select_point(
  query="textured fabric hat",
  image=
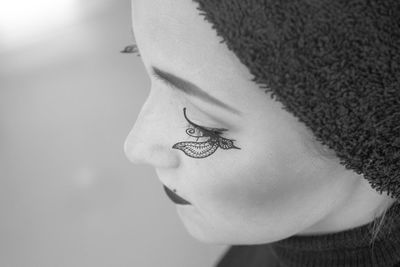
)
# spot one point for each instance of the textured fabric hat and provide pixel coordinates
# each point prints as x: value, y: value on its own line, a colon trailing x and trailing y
x: 335, y: 65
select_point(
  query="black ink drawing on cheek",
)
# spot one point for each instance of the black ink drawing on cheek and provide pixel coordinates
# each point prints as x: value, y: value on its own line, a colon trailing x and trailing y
x: 204, y: 149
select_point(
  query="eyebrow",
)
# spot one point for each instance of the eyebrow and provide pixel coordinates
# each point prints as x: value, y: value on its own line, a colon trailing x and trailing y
x: 189, y: 88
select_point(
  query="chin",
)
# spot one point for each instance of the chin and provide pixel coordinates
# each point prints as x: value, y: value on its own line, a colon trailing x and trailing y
x: 210, y: 237
x: 215, y: 236
x: 224, y: 238
x: 208, y: 232
x: 200, y: 229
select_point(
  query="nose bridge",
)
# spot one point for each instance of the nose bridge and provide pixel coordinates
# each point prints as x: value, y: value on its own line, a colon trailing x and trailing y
x: 147, y: 141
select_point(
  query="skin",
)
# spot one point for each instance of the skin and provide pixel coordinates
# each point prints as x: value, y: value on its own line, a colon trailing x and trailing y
x: 281, y: 182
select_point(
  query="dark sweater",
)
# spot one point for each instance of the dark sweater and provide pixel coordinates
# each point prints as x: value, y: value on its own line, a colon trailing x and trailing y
x: 348, y: 248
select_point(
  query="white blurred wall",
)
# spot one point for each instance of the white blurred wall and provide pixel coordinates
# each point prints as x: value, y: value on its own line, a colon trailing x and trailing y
x: 68, y: 195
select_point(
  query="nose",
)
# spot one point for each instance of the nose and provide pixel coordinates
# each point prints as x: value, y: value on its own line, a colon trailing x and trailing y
x: 149, y: 141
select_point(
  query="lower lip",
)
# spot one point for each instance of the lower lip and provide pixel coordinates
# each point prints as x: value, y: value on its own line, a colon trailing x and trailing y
x: 175, y: 198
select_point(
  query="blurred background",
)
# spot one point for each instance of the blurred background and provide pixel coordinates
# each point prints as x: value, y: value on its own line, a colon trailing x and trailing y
x: 68, y: 98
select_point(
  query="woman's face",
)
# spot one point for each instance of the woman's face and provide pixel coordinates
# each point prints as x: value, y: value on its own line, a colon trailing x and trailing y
x: 276, y: 185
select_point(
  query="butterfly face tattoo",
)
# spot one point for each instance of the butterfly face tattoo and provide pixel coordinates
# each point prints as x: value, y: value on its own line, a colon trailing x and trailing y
x: 204, y: 149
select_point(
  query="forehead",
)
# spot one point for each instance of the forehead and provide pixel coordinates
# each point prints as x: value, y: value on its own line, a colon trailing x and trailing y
x: 173, y: 35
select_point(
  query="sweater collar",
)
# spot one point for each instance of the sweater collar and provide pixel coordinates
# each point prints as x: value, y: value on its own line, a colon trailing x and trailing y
x: 350, y: 248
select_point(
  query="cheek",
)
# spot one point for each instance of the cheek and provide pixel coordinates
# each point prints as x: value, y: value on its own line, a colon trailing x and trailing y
x: 248, y: 194
x: 248, y: 177
x: 273, y: 187
x: 263, y: 188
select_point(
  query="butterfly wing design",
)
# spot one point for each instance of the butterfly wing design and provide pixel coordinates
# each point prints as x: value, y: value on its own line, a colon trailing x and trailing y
x: 226, y: 143
x: 197, y: 149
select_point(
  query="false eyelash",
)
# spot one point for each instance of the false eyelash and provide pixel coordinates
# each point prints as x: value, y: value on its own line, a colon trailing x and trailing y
x: 206, y: 131
x: 133, y: 48
x: 206, y: 148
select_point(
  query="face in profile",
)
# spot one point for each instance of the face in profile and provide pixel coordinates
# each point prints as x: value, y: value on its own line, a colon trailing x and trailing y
x: 250, y: 170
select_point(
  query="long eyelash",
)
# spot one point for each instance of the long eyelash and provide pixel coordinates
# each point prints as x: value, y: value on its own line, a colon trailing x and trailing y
x: 208, y: 131
x: 190, y: 123
x: 133, y: 48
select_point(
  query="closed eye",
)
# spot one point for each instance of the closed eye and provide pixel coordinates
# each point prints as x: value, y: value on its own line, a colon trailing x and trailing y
x: 208, y: 131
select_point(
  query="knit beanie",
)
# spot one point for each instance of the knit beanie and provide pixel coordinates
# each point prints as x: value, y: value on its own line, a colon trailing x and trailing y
x: 335, y: 65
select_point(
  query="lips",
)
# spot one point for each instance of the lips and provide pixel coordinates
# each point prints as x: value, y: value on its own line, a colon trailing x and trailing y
x: 175, y: 198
